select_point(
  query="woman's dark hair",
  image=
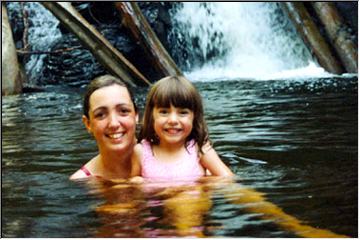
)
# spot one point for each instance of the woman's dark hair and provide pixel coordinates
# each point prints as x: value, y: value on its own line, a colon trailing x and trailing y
x: 181, y: 93
x: 100, y: 82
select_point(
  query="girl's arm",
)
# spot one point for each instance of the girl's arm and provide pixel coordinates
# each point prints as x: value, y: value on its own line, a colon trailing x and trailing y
x: 210, y: 160
x: 135, y: 161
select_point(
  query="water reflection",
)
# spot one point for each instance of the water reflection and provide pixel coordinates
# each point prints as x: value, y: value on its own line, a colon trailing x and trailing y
x: 294, y: 141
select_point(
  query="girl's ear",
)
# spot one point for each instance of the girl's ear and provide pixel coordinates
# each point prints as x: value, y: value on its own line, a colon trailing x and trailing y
x: 86, y: 122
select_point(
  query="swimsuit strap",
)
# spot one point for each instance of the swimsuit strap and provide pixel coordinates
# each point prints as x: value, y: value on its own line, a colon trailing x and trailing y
x: 86, y: 171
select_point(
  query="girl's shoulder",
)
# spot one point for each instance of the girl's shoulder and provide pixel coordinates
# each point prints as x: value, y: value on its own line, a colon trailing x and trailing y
x: 144, y: 142
x: 192, y: 144
x: 204, y: 148
x: 144, y: 145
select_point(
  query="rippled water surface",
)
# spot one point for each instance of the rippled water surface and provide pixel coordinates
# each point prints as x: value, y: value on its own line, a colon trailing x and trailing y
x: 294, y: 141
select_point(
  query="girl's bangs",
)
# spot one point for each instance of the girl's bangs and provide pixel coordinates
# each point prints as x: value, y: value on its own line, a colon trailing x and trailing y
x: 175, y: 95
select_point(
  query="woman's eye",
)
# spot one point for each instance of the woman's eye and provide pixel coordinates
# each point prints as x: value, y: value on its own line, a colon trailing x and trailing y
x: 99, y: 115
x: 125, y: 111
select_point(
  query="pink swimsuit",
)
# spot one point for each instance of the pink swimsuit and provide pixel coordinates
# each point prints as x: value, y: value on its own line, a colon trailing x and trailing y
x: 184, y: 169
x: 86, y: 171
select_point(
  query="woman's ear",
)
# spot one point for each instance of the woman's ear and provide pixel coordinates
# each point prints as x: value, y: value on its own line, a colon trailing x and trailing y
x: 137, y: 118
x: 86, y: 122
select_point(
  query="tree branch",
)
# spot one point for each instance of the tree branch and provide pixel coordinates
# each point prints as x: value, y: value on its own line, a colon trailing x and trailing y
x: 57, y: 51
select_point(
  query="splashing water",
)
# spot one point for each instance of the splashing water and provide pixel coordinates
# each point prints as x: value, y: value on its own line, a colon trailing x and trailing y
x: 239, y: 40
x: 43, y: 33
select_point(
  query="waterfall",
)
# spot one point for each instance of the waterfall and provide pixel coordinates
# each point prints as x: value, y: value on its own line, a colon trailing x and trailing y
x: 232, y: 40
x: 209, y: 41
x: 43, y: 33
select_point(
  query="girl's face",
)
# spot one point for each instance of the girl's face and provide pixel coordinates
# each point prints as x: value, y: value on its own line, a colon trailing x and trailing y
x: 172, y: 125
x: 112, y: 118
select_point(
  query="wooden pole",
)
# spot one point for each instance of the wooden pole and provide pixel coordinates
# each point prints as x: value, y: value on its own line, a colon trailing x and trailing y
x: 141, y: 31
x: 102, y: 49
x: 312, y: 37
x: 11, y: 80
x: 338, y: 34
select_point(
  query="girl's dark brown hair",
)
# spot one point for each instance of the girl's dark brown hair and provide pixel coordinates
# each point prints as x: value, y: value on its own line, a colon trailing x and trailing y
x: 181, y: 93
x: 100, y: 82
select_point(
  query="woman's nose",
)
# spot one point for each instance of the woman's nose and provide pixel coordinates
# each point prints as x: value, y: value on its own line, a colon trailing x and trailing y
x: 113, y: 121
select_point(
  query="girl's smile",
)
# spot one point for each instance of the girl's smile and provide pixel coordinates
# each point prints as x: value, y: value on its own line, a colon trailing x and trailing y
x: 173, y: 131
x: 173, y: 125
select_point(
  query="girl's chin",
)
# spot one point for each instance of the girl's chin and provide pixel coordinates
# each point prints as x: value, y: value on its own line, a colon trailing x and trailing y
x: 173, y: 141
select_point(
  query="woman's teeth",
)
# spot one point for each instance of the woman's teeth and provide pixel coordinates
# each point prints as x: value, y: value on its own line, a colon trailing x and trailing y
x: 116, y: 135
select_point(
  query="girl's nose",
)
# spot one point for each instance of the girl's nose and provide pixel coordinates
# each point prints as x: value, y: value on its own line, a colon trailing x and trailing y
x: 173, y: 118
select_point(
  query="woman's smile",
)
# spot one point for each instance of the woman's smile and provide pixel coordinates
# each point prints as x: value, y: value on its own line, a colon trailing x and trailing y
x: 112, y: 117
x: 115, y: 135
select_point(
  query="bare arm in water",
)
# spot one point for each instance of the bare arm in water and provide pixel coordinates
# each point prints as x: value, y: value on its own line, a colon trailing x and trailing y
x: 254, y: 201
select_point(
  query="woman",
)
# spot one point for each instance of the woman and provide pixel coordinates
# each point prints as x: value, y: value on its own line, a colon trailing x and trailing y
x: 110, y: 115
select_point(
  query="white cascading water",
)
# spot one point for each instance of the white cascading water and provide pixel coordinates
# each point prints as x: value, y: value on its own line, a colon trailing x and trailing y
x: 254, y: 39
x: 43, y: 32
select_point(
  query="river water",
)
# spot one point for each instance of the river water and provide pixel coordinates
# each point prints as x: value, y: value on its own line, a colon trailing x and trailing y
x: 293, y: 140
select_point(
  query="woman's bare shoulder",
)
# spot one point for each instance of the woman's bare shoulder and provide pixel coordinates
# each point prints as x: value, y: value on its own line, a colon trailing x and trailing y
x: 89, y: 169
x: 138, y: 147
x: 78, y: 175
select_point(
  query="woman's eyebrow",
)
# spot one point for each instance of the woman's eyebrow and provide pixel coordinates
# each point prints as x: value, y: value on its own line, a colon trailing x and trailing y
x: 99, y: 108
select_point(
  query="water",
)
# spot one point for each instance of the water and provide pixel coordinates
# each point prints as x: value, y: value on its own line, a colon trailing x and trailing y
x: 229, y: 39
x: 293, y: 140
x: 209, y: 41
x: 287, y: 128
x: 38, y: 39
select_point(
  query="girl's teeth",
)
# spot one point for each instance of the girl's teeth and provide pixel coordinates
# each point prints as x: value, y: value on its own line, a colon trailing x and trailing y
x: 173, y: 130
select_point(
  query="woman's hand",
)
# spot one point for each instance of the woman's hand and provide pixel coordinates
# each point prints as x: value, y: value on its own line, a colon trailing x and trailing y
x: 137, y: 180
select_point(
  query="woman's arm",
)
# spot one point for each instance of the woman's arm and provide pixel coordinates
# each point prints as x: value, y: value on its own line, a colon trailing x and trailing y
x: 211, y: 161
x: 255, y: 201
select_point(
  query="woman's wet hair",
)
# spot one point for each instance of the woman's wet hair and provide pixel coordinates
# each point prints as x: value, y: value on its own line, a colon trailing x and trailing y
x: 181, y: 93
x: 100, y: 82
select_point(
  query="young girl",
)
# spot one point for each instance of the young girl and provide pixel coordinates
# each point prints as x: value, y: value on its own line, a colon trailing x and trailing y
x: 174, y: 135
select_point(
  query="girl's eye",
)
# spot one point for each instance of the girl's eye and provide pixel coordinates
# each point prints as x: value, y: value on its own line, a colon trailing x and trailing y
x: 163, y: 111
x: 184, y: 112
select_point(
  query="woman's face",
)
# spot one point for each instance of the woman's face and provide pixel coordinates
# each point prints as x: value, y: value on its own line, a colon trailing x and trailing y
x: 112, y: 118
